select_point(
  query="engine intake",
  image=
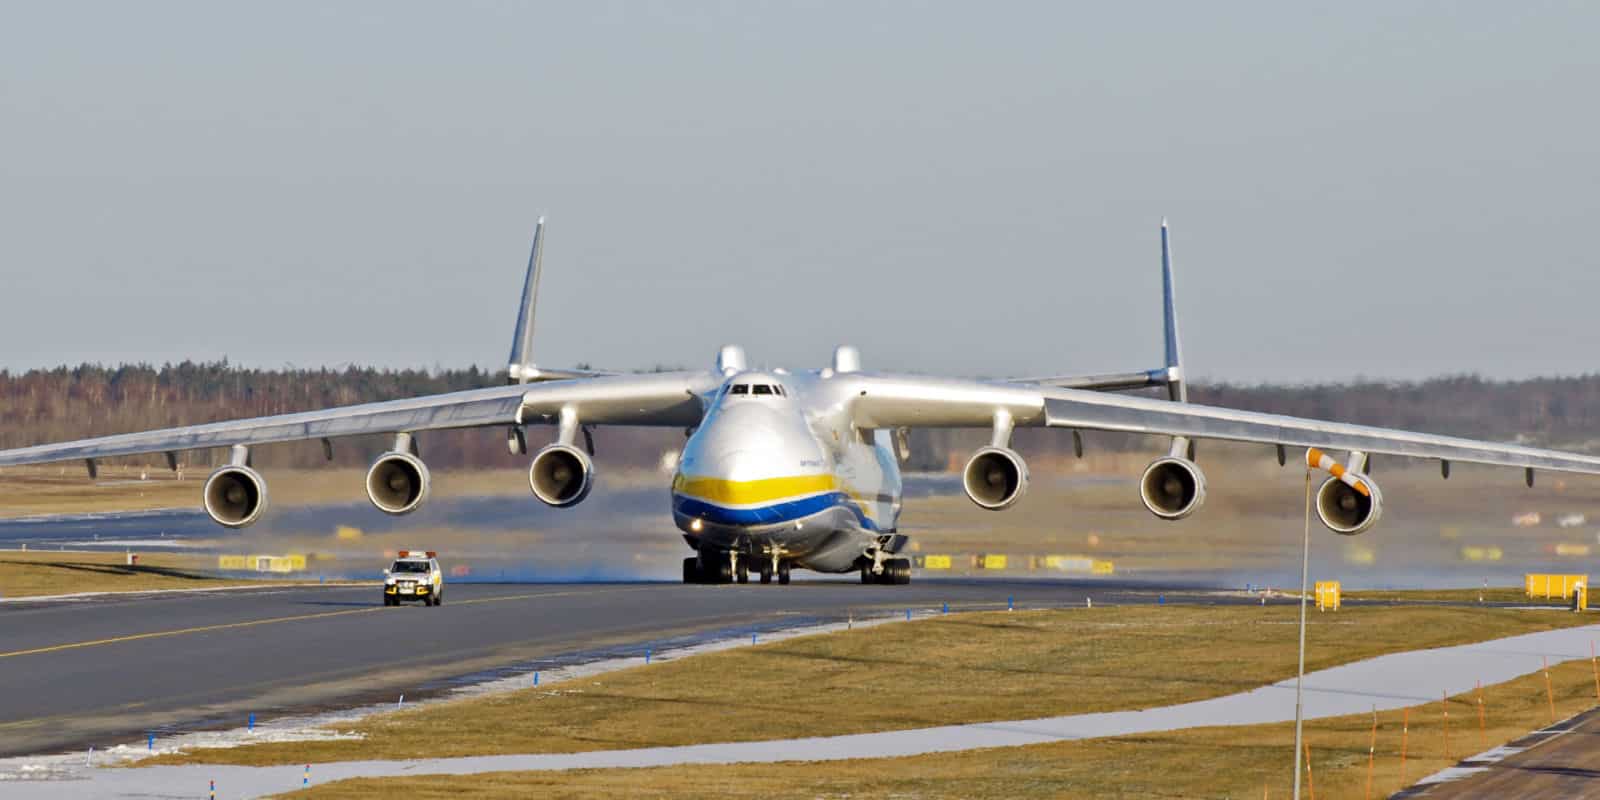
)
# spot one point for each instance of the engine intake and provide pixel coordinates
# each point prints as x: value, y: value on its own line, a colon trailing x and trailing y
x: 398, y: 483
x: 235, y: 496
x: 1172, y: 487
x: 561, y: 475
x: 1347, y: 511
x: 995, y: 478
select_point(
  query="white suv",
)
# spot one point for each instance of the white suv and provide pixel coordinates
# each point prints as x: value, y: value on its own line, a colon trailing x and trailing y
x: 414, y: 576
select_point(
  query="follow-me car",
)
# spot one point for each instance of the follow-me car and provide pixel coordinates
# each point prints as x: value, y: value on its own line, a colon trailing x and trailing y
x: 799, y: 469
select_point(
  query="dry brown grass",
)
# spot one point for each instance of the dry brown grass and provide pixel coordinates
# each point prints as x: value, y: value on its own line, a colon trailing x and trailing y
x: 1239, y: 762
x: 30, y: 574
x: 944, y: 670
x: 1493, y: 594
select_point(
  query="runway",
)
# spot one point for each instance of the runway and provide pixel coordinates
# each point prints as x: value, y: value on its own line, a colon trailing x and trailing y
x: 106, y: 670
x: 1557, y: 763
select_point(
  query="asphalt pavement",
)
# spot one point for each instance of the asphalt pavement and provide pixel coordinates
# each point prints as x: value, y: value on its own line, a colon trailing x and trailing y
x: 105, y: 670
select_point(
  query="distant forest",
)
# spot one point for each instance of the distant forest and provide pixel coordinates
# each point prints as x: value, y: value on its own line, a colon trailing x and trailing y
x: 53, y: 405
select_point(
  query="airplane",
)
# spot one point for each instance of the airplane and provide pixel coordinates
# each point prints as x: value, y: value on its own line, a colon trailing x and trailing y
x: 800, y: 469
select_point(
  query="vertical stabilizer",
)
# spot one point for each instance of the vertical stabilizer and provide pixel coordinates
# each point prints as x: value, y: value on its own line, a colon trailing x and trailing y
x: 1176, y: 390
x: 520, y: 366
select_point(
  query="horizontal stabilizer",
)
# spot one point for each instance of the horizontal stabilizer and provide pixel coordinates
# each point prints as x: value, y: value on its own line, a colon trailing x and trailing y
x: 1118, y: 382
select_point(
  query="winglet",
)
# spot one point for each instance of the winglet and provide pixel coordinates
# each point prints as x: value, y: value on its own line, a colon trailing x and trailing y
x: 1176, y: 389
x: 520, y: 368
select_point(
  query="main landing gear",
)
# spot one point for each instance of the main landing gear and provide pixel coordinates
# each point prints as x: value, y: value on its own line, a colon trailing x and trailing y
x: 729, y: 567
x: 896, y: 571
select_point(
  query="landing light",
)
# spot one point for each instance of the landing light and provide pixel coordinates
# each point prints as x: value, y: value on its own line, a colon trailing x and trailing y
x: 695, y: 526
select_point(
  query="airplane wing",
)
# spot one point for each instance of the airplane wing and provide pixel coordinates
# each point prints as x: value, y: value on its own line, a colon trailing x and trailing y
x: 883, y: 401
x: 668, y: 399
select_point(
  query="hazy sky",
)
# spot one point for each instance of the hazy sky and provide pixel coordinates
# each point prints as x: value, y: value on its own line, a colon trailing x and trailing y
x: 1385, y: 189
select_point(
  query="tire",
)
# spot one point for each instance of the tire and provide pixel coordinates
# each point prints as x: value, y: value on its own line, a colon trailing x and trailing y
x: 742, y: 574
x: 691, y: 570
x: 438, y: 599
x: 899, y: 571
x: 766, y: 572
x: 867, y: 576
x: 389, y: 600
x: 714, y: 567
x: 783, y: 573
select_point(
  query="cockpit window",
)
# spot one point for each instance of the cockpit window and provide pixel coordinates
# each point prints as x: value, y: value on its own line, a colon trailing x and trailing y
x: 761, y: 388
x: 743, y: 388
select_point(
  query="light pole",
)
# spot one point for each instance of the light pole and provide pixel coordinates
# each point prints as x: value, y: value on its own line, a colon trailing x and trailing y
x: 1300, y: 672
x: 1315, y: 459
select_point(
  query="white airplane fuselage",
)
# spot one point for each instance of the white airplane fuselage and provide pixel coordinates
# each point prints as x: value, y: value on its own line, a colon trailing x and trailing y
x: 777, y: 470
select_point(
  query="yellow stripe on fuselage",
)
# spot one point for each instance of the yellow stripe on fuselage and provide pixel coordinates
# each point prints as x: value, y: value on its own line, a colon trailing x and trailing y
x: 750, y: 493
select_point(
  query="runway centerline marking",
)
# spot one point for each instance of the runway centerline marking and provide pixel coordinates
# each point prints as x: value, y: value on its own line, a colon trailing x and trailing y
x: 270, y: 621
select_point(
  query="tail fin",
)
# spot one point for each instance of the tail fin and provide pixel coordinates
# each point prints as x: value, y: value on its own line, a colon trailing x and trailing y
x: 520, y: 367
x: 1176, y: 390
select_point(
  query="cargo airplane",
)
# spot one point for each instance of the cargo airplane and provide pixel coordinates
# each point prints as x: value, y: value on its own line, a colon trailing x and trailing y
x: 786, y: 469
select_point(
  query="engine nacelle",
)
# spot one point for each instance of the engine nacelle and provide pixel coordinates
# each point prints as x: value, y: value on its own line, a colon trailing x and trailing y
x: 561, y: 475
x: 995, y: 478
x: 1347, y: 511
x: 398, y: 483
x: 235, y: 496
x: 1172, y: 487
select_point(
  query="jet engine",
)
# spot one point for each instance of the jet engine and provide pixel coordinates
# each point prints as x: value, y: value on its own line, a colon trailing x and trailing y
x: 1347, y: 511
x: 995, y: 478
x: 235, y: 496
x: 1172, y: 487
x: 561, y: 475
x: 397, y: 483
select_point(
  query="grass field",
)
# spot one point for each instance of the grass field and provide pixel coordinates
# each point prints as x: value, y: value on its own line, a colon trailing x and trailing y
x: 1237, y: 762
x: 962, y: 668
x: 30, y: 574
x: 1492, y: 594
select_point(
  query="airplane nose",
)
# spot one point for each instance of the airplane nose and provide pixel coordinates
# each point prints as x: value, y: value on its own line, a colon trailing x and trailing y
x: 742, y: 465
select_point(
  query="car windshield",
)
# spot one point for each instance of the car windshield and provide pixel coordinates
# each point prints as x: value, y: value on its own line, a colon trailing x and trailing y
x: 409, y: 566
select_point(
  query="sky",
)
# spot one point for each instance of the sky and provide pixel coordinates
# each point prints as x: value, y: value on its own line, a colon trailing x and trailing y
x: 1386, y: 189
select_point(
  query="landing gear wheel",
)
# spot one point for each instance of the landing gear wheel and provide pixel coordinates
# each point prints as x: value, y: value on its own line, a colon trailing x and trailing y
x: 742, y: 572
x: 898, y: 571
x: 783, y: 573
x: 715, y: 567
x: 691, y: 570
x: 766, y: 573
